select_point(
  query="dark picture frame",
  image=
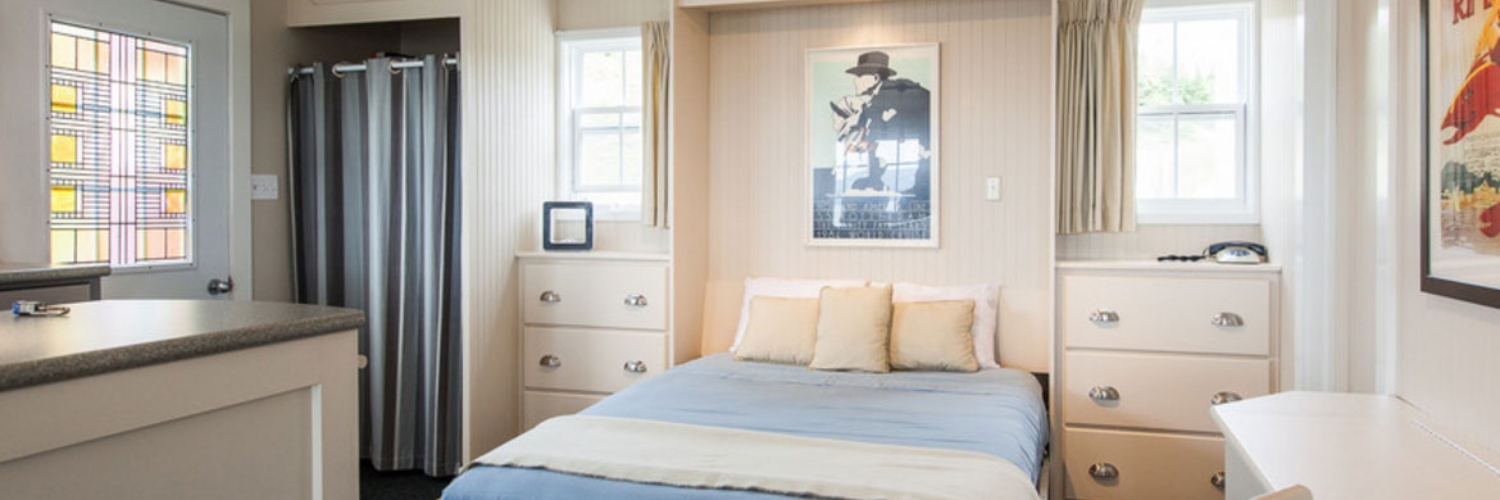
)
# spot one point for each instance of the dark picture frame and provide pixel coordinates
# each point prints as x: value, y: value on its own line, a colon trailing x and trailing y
x: 1434, y: 282
x: 549, y: 210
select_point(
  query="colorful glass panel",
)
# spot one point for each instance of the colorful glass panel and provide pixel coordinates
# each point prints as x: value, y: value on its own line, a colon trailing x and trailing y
x: 120, y: 148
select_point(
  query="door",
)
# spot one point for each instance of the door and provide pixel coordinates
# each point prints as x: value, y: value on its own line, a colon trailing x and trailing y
x: 116, y: 131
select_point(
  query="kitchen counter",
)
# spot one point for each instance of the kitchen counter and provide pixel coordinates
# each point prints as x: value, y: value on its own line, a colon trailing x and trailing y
x: 181, y: 399
x: 29, y: 275
x: 106, y: 336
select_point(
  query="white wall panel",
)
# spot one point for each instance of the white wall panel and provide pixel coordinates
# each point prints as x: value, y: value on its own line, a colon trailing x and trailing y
x: 1446, y: 349
x: 508, y: 87
x: 997, y: 64
x: 1151, y: 241
x: 598, y: 14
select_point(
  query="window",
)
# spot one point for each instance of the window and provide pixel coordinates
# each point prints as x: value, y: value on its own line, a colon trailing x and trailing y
x: 1194, y: 158
x: 600, y: 152
x: 119, y: 164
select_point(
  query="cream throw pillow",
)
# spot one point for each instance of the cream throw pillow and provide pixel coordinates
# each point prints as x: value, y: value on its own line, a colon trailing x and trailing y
x: 854, y: 330
x: 933, y: 336
x: 780, y: 330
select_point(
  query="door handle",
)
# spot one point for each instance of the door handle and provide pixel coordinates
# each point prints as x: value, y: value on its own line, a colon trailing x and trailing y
x: 1104, y: 393
x: 550, y: 297
x: 635, y: 300
x: 217, y: 286
x: 635, y: 366
x: 550, y: 361
x: 1104, y: 470
x: 1224, y: 398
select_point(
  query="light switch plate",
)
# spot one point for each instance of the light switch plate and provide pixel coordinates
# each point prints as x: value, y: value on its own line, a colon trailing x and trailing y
x: 992, y: 189
x: 264, y: 187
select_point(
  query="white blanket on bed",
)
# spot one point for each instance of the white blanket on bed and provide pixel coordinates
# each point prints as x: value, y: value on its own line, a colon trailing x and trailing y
x: 646, y: 451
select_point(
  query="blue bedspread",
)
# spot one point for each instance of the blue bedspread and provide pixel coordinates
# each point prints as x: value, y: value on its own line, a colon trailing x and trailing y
x: 997, y: 412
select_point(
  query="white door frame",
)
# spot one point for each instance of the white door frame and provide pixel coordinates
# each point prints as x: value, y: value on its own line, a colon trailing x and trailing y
x: 241, y: 260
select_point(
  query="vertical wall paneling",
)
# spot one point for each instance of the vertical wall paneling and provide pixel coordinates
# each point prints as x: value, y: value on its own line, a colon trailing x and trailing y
x: 508, y: 80
x: 689, y: 184
x: 996, y: 122
x: 1151, y: 241
x: 1445, y: 348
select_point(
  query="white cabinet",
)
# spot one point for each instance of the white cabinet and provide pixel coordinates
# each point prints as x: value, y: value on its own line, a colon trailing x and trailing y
x: 1144, y: 353
x: 592, y: 324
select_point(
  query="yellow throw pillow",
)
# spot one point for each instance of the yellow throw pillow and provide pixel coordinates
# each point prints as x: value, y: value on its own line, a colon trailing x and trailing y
x: 781, y: 330
x: 933, y: 336
x: 854, y: 330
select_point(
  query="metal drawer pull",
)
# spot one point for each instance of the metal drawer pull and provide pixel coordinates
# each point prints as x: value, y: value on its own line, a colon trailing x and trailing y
x: 551, y: 297
x: 1225, y: 397
x: 551, y: 361
x: 1104, y: 393
x: 635, y: 366
x: 1104, y: 317
x: 1228, y: 319
x: 1104, y: 470
x: 1217, y: 480
x: 635, y: 300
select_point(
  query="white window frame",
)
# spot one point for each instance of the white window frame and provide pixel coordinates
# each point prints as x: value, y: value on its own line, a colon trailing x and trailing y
x: 569, y: 45
x: 1245, y: 207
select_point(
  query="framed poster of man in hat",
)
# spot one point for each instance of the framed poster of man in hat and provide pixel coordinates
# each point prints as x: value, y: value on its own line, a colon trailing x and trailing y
x: 872, y: 146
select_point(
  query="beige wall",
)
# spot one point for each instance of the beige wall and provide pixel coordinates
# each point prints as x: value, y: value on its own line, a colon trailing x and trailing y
x: 508, y: 80
x: 275, y: 48
x: 1446, y: 350
x: 997, y: 60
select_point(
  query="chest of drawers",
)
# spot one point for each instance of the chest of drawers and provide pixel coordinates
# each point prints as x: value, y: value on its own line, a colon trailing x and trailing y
x: 591, y: 325
x: 1144, y: 351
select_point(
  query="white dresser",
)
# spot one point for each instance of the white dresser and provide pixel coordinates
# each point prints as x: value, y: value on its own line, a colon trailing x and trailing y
x: 592, y: 324
x: 1144, y: 351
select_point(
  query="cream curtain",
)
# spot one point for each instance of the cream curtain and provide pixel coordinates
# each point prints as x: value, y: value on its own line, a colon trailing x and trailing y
x: 656, y: 57
x: 1096, y: 110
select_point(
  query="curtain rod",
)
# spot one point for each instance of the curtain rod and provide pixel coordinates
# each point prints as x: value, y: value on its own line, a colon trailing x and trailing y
x: 348, y: 67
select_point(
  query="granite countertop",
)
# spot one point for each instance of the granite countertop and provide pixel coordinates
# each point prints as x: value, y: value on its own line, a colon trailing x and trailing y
x: 17, y: 274
x: 112, y: 335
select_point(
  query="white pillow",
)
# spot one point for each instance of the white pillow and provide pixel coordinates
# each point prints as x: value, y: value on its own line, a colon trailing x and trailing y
x: 986, y: 311
x: 776, y: 287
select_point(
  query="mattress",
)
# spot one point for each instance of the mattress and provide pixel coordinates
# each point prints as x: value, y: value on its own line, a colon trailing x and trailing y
x: 997, y: 412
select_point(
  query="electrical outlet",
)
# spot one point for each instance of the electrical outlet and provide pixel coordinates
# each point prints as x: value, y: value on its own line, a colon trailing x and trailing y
x: 992, y: 189
x: 264, y: 187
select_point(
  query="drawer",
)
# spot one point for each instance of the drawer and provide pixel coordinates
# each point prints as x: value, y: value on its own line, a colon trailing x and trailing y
x: 1148, y: 466
x: 590, y: 360
x: 1167, y: 314
x: 1169, y: 392
x: 540, y: 406
x: 588, y: 294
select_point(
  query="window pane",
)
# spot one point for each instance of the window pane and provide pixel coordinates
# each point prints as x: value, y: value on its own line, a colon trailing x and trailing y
x: 1155, y: 168
x: 1154, y: 79
x: 599, y: 159
x: 119, y: 149
x: 602, y: 77
x: 633, y: 82
x: 1208, y: 61
x: 634, y: 159
x: 599, y: 120
x: 1207, y: 151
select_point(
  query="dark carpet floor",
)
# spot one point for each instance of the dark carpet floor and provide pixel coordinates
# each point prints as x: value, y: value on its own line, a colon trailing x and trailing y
x: 402, y: 485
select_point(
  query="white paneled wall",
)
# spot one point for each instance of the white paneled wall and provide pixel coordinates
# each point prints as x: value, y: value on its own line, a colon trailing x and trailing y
x: 597, y: 14
x: 1445, y: 349
x: 997, y: 67
x: 508, y: 86
x: 1150, y: 242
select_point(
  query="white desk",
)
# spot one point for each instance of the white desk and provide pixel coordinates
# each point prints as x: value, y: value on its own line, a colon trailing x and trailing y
x: 1346, y: 447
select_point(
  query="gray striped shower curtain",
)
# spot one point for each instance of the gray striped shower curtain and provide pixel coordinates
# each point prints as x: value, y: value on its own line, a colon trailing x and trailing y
x: 374, y: 180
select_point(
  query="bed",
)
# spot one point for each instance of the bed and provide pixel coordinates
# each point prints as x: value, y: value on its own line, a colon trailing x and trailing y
x: 998, y: 412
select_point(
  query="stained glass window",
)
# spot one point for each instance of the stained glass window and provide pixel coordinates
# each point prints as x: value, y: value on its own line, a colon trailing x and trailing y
x: 120, y: 165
